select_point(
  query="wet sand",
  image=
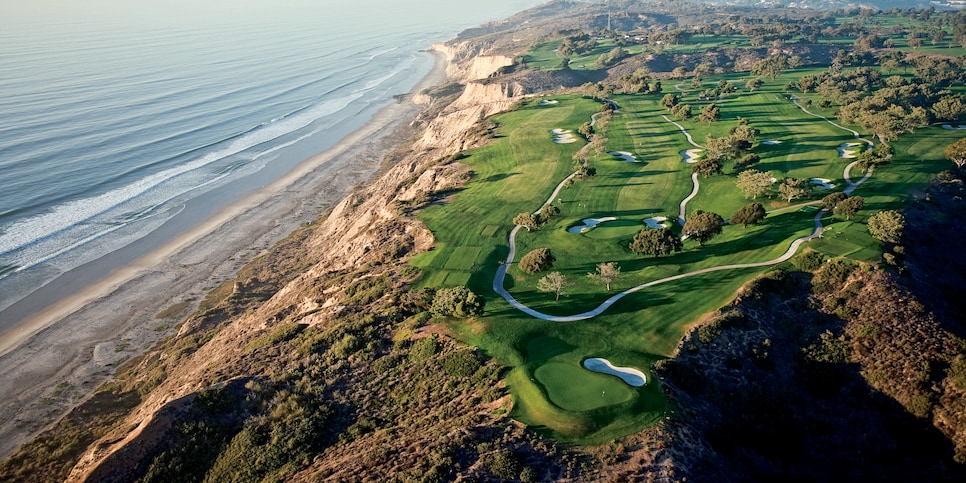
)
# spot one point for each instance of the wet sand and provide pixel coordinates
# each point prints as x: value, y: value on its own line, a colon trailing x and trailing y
x: 53, y: 359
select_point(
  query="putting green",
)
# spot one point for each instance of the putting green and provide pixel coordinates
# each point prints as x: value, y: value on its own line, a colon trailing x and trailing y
x: 576, y: 389
x: 615, y: 229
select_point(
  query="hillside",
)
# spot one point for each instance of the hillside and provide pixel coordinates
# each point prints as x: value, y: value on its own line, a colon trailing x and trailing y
x: 348, y: 353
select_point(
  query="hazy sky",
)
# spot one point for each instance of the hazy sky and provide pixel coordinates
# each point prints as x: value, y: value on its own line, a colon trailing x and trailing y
x: 139, y: 12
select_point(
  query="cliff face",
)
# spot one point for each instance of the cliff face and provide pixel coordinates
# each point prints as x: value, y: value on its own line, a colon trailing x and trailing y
x: 362, y: 232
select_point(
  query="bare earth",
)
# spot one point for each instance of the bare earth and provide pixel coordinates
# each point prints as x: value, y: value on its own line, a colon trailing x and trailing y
x: 53, y: 361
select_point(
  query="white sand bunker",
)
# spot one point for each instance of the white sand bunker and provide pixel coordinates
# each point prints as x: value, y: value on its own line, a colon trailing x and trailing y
x: 631, y: 376
x: 548, y: 102
x: 771, y: 142
x: 950, y: 126
x: 589, y: 224
x: 691, y: 155
x: 846, y: 151
x: 822, y: 183
x: 656, y: 222
x: 563, y: 136
x: 624, y: 156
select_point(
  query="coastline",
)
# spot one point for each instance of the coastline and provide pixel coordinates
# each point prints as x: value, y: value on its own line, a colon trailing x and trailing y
x: 75, y: 343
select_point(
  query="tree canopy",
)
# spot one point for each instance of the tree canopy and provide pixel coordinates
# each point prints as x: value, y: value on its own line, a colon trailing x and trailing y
x: 956, y: 152
x: 537, y: 261
x: 794, y: 188
x: 555, y: 283
x: 655, y: 241
x: 887, y: 226
x: 848, y: 207
x: 749, y: 215
x: 754, y: 183
x: 703, y: 226
x: 606, y: 274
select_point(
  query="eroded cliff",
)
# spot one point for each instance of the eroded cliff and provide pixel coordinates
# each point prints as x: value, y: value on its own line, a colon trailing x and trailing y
x: 365, y: 237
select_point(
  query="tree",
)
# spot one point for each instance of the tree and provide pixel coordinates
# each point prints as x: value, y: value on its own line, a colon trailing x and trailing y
x: 887, y: 226
x: 793, y: 188
x: 457, y: 302
x: 606, y: 274
x: 754, y: 84
x: 537, y: 261
x: 749, y: 215
x: 949, y: 108
x: 707, y: 167
x: 743, y: 135
x: 771, y: 67
x: 669, y: 101
x: 526, y: 220
x: 848, y: 207
x: 655, y: 241
x: 703, y: 226
x: 754, y: 183
x: 723, y: 148
x: 555, y: 283
x: 832, y: 199
x: 682, y: 111
x: 956, y: 152
x: 547, y: 213
x: 710, y: 113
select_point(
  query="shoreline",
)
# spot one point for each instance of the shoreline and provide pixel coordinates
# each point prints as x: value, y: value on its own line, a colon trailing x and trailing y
x: 75, y: 343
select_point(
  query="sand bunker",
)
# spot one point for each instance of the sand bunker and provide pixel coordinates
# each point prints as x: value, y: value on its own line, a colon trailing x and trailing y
x: 771, y: 142
x: 548, y: 102
x: 845, y: 150
x: 656, y: 222
x: 691, y: 155
x: 624, y: 156
x: 950, y: 126
x: 631, y: 376
x: 822, y: 183
x: 589, y: 224
x: 562, y: 136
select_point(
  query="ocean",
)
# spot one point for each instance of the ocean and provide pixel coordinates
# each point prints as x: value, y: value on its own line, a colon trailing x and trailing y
x: 117, y: 114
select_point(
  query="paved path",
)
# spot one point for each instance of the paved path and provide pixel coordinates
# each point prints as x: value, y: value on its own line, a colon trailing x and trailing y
x: 792, y: 249
x: 694, y: 176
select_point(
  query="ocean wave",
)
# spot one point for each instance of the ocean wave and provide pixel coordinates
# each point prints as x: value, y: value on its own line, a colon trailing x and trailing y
x: 63, y: 217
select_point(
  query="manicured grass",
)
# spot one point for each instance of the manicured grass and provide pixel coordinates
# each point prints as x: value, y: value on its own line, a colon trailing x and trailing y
x: 518, y: 171
x: 546, y: 57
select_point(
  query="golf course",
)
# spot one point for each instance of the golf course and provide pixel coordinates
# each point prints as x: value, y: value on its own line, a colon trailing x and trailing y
x: 642, y: 181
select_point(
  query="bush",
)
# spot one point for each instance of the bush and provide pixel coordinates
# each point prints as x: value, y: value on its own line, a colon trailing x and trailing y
x: 707, y: 333
x: 457, y: 302
x: 367, y: 290
x: 537, y: 261
x: 503, y: 464
x: 463, y: 363
x: 808, y: 261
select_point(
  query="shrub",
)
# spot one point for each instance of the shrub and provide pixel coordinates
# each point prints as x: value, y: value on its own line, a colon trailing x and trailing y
x: 503, y: 464
x: 537, y: 261
x: 457, y: 302
x: 808, y: 261
x: 367, y: 290
x: 463, y: 363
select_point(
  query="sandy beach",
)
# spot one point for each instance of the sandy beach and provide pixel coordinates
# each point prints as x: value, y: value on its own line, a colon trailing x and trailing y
x: 53, y: 360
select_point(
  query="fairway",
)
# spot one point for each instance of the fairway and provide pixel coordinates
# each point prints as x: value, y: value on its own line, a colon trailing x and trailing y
x: 600, y: 215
